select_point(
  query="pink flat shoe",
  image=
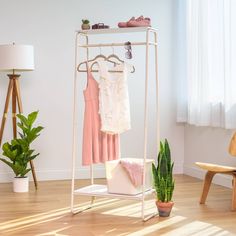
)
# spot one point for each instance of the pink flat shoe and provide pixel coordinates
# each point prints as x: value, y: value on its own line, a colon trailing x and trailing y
x: 124, y: 24
x: 139, y: 22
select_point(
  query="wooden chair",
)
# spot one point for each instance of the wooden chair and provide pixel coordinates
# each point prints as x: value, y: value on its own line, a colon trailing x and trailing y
x: 213, y: 169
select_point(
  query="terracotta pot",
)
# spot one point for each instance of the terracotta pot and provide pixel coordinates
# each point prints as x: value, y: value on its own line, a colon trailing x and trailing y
x: 85, y: 26
x: 164, y: 208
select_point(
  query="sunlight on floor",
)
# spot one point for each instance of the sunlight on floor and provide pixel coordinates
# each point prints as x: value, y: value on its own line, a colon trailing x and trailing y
x: 132, y: 210
x: 197, y: 228
x: 174, y: 225
x: 55, y: 232
x: 48, y: 216
x: 157, y: 226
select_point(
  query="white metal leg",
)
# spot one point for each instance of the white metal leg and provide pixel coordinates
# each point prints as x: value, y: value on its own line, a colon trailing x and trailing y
x: 74, y: 128
x: 145, y: 123
x: 75, y: 107
x: 157, y: 94
x: 146, y: 117
x: 91, y: 166
x: 157, y: 110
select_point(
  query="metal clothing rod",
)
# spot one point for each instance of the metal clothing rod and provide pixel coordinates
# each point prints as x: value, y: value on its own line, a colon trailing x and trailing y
x: 96, y: 71
x: 114, y: 44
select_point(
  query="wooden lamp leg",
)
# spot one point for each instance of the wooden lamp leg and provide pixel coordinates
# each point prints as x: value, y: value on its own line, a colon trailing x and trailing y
x: 234, y: 193
x: 4, y: 117
x: 14, y: 109
x: 207, y: 183
x: 19, y: 102
x: 18, y: 96
x: 34, y: 174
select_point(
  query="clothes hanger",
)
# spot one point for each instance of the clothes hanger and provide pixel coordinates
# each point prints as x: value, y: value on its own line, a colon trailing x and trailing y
x: 113, y: 55
x: 94, y: 60
x: 88, y: 61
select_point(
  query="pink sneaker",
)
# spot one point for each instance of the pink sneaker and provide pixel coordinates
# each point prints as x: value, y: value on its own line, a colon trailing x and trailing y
x: 124, y: 24
x: 139, y: 22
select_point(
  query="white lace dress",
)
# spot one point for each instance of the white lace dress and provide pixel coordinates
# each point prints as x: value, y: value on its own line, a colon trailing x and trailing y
x: 114, y: 105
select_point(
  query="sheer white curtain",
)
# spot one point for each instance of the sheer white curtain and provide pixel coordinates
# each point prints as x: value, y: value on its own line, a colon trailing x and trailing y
x: 207, y: 91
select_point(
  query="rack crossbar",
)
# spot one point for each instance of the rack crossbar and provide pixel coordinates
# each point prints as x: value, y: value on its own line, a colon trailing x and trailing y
x: 114, y: 44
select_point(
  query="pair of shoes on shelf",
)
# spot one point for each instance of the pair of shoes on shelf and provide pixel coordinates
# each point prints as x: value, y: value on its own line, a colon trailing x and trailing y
x: 138, y: 22
x: 100, y: 26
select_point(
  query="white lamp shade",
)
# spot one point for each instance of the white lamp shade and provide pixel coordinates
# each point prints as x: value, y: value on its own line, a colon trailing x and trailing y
x: 16, y: 57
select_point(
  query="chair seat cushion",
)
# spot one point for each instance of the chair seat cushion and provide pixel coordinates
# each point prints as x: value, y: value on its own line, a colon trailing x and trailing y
x: 215, y: 168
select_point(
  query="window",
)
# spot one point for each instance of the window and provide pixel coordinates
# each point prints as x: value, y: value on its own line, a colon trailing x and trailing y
x: 208, y: 88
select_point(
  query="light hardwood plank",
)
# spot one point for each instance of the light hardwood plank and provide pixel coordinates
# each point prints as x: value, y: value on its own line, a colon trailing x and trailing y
x: 46, y: 212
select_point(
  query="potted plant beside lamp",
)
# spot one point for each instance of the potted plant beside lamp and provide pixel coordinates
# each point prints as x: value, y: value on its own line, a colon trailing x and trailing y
x: 18, y: 153
x: 163, y: 180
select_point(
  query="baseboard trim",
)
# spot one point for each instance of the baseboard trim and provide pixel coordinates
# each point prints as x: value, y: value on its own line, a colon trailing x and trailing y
x: 219, y: 179
x: 44, y: 175
x: 178, y: 168
x: 81, y: 173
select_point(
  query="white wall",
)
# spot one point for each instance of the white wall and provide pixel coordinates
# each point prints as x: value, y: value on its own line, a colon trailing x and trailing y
x: 50, y: 26
x: 207, y: 145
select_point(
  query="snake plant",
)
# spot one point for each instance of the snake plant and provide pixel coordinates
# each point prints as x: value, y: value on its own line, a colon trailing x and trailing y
x: 163, y: 174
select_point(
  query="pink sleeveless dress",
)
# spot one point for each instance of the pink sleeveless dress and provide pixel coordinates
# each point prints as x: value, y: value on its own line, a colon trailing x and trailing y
x: 98, y: 146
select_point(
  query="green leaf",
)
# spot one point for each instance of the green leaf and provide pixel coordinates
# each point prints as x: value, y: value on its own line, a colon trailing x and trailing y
x: 7, y: 162
x: 155, y: 176
x: 24, y: 172
x: 21, y: 135
x: 30, y: 158
x: 22, y: 127
x: 33, y: 134
x: 23, y: 119
x: 9, y: 151
x: 168, y: 155
x: 30, y: 152
x: 32, y: 117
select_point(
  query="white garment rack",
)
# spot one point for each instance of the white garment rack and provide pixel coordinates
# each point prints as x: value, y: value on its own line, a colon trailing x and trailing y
x: 95, y: 190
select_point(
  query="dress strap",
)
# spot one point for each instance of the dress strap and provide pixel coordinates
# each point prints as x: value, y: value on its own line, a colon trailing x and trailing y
x: 88, y: 68
x: 103, y: 70
x: 89, y: 74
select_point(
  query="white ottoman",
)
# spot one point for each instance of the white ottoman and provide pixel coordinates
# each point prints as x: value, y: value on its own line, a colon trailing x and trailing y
x: 118, y: 180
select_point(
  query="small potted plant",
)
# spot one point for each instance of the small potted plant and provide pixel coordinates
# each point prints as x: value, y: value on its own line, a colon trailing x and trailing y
x: 163, y: 180
x: 85, y: 24
x: 19, y: 153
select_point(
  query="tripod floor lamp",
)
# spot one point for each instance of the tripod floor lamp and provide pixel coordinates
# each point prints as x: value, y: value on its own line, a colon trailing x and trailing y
x: 15, y: 58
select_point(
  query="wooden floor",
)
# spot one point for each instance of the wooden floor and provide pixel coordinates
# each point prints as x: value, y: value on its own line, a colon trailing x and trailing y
x: 46, y: 212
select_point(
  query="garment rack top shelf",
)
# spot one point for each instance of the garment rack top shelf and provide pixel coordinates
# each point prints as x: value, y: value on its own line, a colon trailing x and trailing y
x: 116, y: 30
